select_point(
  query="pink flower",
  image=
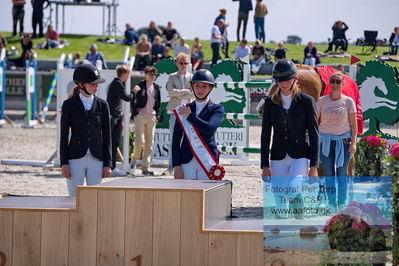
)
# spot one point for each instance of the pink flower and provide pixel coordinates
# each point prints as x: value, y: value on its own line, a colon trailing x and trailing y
x: 375, y: 141
x: 359, y: 225
x: 394, y: 151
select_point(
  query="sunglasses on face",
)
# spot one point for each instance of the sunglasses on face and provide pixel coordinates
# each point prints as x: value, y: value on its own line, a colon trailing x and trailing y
x: 336, y: 81
x: 183, y: 63
x: 151, y: 74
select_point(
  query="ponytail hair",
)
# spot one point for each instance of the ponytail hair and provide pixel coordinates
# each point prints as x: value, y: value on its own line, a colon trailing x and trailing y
x: 75, y: 92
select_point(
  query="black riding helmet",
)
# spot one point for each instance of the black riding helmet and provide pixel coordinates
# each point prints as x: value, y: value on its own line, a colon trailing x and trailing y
x: 205, y: 76
x: 87, y: 73
x: 284, y: 70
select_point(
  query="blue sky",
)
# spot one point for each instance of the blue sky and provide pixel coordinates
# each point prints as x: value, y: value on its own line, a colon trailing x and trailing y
x: 309, y: 19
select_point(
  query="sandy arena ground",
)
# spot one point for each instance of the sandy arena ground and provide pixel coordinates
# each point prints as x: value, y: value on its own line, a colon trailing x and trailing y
x: 40, y: 143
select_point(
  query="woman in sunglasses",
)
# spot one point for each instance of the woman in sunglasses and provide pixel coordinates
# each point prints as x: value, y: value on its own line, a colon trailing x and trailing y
x: 145, y: 112
x: 180, y: 92
x: 338, y: 129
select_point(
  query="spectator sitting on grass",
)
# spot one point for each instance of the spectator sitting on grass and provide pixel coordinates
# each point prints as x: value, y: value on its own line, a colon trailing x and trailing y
x: 170, y: 35
x: 311, y: 56
x: 394, y: 41
x: 153, y: 30
x: 93, y: 56
x: 242, y: 52
x: 166, y: 54
x: 27, y: 52
x: 52, y: 38
x: 131, y: 36
x: 143, y: 53
x: 259, y: 57
x: 76, y: 60
x: 157, y: 49
x: 280, y: 52
x: 182, y: 47
x: 197, y: 55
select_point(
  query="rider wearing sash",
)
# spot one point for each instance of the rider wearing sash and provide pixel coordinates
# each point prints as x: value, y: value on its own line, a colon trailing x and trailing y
x: 194, y: 149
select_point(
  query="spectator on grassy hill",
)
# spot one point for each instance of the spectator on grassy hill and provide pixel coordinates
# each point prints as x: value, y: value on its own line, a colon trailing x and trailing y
x: 216, y: 39
x: 259, y: 20
x: 244, y: 7
x: 93, y: 56
x: 131, y: 36
x: 157, y: 50
x: 339, y: 38
x: 258, y: 53
x: 52, y: 38
x: 37, y: 16
x: 242, y: 52
x: 143, y: 53
x: 394, y: 41
x: 280, y: 52
x: 223, y: 32
x: 73, y: 61
x: 182, y: 47
x: 170, y: 35
x: 153, y: 30
x: 18, y: 14
x: 166, y: 52
x: 27, y: 52
x: 311, y: 56
x: 197, y: 55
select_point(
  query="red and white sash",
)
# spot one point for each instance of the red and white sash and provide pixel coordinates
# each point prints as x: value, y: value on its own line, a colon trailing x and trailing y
x: 200, y: 149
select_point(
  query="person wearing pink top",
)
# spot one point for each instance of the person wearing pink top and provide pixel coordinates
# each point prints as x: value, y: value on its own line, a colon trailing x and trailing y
x: 52, y: 38
x: 338, y: 130
x: 145, y: 112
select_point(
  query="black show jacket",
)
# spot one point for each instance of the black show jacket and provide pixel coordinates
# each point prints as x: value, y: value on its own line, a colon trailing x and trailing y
x: 290, y: 130
x: 89, y: 130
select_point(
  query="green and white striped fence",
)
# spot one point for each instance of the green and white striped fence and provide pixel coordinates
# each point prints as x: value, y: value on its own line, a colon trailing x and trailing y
x: 238, y: 149
x: 243, y: 85
x: 239, y: 116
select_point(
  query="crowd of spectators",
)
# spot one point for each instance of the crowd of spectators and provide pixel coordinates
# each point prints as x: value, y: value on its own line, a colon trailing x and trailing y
x: 154, y: 42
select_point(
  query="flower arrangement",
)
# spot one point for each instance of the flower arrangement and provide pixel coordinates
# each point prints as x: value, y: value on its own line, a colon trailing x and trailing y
x: 358, y: 227
x: 392, y: 170
x: 370, y: 154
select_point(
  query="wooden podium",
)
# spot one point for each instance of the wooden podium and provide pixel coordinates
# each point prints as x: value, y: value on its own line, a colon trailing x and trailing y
x: 137, y: 222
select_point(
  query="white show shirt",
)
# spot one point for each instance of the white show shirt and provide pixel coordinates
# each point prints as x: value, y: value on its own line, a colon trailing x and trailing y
x: 87, y: 101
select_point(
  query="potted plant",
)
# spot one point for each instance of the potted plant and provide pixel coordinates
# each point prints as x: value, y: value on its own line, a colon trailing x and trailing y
x: 358, y: 227
x: 370, y: 154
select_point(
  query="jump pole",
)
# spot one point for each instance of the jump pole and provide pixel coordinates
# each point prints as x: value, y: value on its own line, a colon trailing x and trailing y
x: 31, y: 88
x: 2, y: 90
x: 49, y: 96
x: 126, y: 123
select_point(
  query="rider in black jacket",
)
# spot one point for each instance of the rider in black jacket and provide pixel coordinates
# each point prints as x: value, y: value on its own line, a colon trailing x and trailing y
x: 292, y: 115
x: 88, y: 152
